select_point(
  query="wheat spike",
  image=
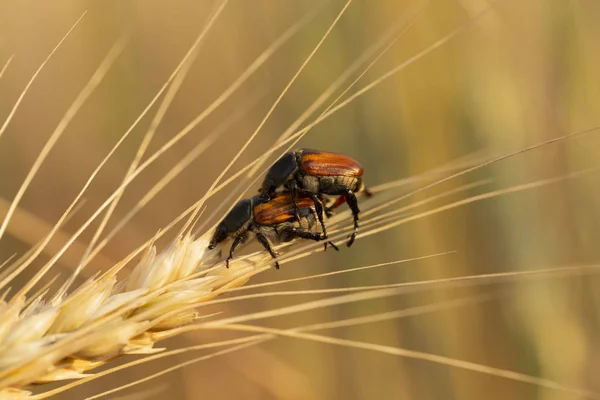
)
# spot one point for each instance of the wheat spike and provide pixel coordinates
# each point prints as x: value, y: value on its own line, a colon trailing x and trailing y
x: 124, y: 312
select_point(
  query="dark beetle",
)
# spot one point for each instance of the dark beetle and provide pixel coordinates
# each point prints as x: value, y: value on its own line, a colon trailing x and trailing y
x: 316, y: 172
x: 270, y: 221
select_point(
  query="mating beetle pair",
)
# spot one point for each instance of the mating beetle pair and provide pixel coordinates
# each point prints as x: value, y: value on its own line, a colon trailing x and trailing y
x: 305, y: 176
x: 279, y: 220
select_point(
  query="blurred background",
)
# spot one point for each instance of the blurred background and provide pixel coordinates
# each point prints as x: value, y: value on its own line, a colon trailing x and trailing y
x: 522, y: 73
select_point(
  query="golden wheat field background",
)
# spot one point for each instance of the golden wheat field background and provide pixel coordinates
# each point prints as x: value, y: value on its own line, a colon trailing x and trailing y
x: 458, y: 82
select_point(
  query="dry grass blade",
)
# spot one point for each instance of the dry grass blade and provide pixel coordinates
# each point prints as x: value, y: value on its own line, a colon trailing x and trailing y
x: 182, y: 365
x: 257, y: 339
x: 149, y: 358
x: 32, y: 80
x: 175, y: 85
x: 60, y: 129
x: 405, y: 22
x: 151, y: 393
x: 5, y: 66
x: 379, y: 291
x: 514, y: 189
x: 331, y: 110
x: 417, y: 355
x: 34, y: 231
x: 196, y: 152
x: 332, y: 273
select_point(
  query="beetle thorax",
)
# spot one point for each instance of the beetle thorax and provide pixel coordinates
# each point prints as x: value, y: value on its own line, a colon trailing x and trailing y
x: 239, y: 218
x: 280, y: 173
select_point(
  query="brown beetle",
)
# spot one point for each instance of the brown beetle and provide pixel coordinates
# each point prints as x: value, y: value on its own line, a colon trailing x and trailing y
x: 313, y: 173
x: 274, y: 221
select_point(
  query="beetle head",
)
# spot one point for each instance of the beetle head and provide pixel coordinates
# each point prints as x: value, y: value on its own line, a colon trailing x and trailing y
x: 239, y: 215
x: 267, y: 190
x: 219, y: 235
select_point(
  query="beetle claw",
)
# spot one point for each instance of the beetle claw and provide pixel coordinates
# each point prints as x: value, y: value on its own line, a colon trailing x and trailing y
x: 352, y: 237
x: 329, y: 243
x: 276, y: 265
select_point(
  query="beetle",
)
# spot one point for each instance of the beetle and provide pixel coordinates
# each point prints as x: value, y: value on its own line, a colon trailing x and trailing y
x: 314, y: 173
x: 279, y: 219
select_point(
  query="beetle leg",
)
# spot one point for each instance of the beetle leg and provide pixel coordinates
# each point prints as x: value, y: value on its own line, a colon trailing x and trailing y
x: 319, y: 210
x: 353, y: 204
x: 267, y: 245
x: 290, y: 233
x: 304, y: 234
x: 294, y: 190
x: 330, y: 243
x: 236, y: 242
